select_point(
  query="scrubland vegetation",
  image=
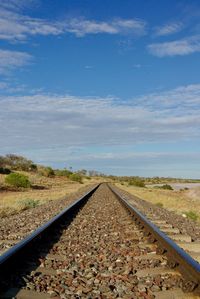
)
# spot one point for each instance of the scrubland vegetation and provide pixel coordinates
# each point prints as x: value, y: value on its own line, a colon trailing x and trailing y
x: 24, y: 185
x: 185, y: 202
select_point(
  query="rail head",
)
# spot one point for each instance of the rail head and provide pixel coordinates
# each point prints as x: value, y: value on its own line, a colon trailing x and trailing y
x: 14, y: 250
x: 189, y: 268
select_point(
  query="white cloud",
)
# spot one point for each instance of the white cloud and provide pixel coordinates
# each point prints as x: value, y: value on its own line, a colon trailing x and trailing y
x: 178, y: 47
x: 10, y: 60
x: 74, y: 121
x: 119, y: 26
x: 16, y: 4
x: 15, y: 26
x: 182, y: 100
x: 168, y: 29
x: 90, y: 131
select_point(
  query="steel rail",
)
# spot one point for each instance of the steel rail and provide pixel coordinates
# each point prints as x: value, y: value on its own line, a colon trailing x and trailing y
x: 15, y: 255
x: 189, y: 268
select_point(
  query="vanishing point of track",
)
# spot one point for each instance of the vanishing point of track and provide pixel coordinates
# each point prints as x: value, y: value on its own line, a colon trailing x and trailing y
x: 99, y: 247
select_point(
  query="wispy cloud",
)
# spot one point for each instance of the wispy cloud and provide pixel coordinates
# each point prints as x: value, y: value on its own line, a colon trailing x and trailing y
x: 137, y: 66
x: 88, y: 67
x: 178, y: 47
x: 16, y: 4
x: 181, y: 102
x: 15, y: 26
x: 10, y: 60
x: 168, y: 29
x: 118, y: 26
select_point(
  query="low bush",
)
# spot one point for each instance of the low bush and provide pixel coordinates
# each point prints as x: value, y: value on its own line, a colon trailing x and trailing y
x: 76, y: 177
x: 63, y: 172
x: 166, y: 187
x: 5, y: 170
x: 192, y: 215
x: 159, y: 204
x: 28, y: 204
x: 18, y: 180
x: 184, y: 189
x: 137, y: 182
x: 47, y: 172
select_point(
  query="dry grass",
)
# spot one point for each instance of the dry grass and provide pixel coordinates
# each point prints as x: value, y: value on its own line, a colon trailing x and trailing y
x: 48, y: 189
x: 177, y: 201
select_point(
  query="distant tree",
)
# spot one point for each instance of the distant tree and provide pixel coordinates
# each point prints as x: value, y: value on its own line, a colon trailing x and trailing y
x: 16, y: 162
x: 2, y: 161
x: 33, y: 167
x: 93, y: 173
x: 82, y: 172
x: 3, y: 169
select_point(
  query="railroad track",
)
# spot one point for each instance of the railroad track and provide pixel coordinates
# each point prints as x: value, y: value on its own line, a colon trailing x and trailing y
x: 17, y: 227
x: 94, y: 249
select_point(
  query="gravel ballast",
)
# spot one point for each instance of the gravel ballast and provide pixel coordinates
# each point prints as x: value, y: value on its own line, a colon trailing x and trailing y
x: 98, y: 256
x: 185, y: 225
x: 16, y: 227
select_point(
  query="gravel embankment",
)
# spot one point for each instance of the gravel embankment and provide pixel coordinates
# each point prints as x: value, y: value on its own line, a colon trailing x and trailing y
x: 185, y: 225
x: 18, y: 226
x: 100, y: 249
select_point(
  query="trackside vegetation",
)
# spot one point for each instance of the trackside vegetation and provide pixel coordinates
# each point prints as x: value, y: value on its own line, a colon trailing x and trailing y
x: 18, y: 180
x: 76, y: 177
x: 137, y: 182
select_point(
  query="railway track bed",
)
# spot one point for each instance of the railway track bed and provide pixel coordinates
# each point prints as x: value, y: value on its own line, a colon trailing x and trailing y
x: 95, y: 251
x: 18, y: 226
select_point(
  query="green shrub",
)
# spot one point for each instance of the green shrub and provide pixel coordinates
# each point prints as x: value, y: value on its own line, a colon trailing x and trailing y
x: 47, y: 172
x: 184, y: 189
x: 76, y: 177
x: 166, y: 187
x: 5, y: 170
x: 28, y: 204
x: 192, y: 215
x: 18, y: 180
x: 33, y: 167
x: 63, y: 172
x: 137, y: 182
x: 159, y: 204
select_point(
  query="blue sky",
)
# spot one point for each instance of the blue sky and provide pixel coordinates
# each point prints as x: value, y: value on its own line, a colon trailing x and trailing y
x: 106, y: 85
